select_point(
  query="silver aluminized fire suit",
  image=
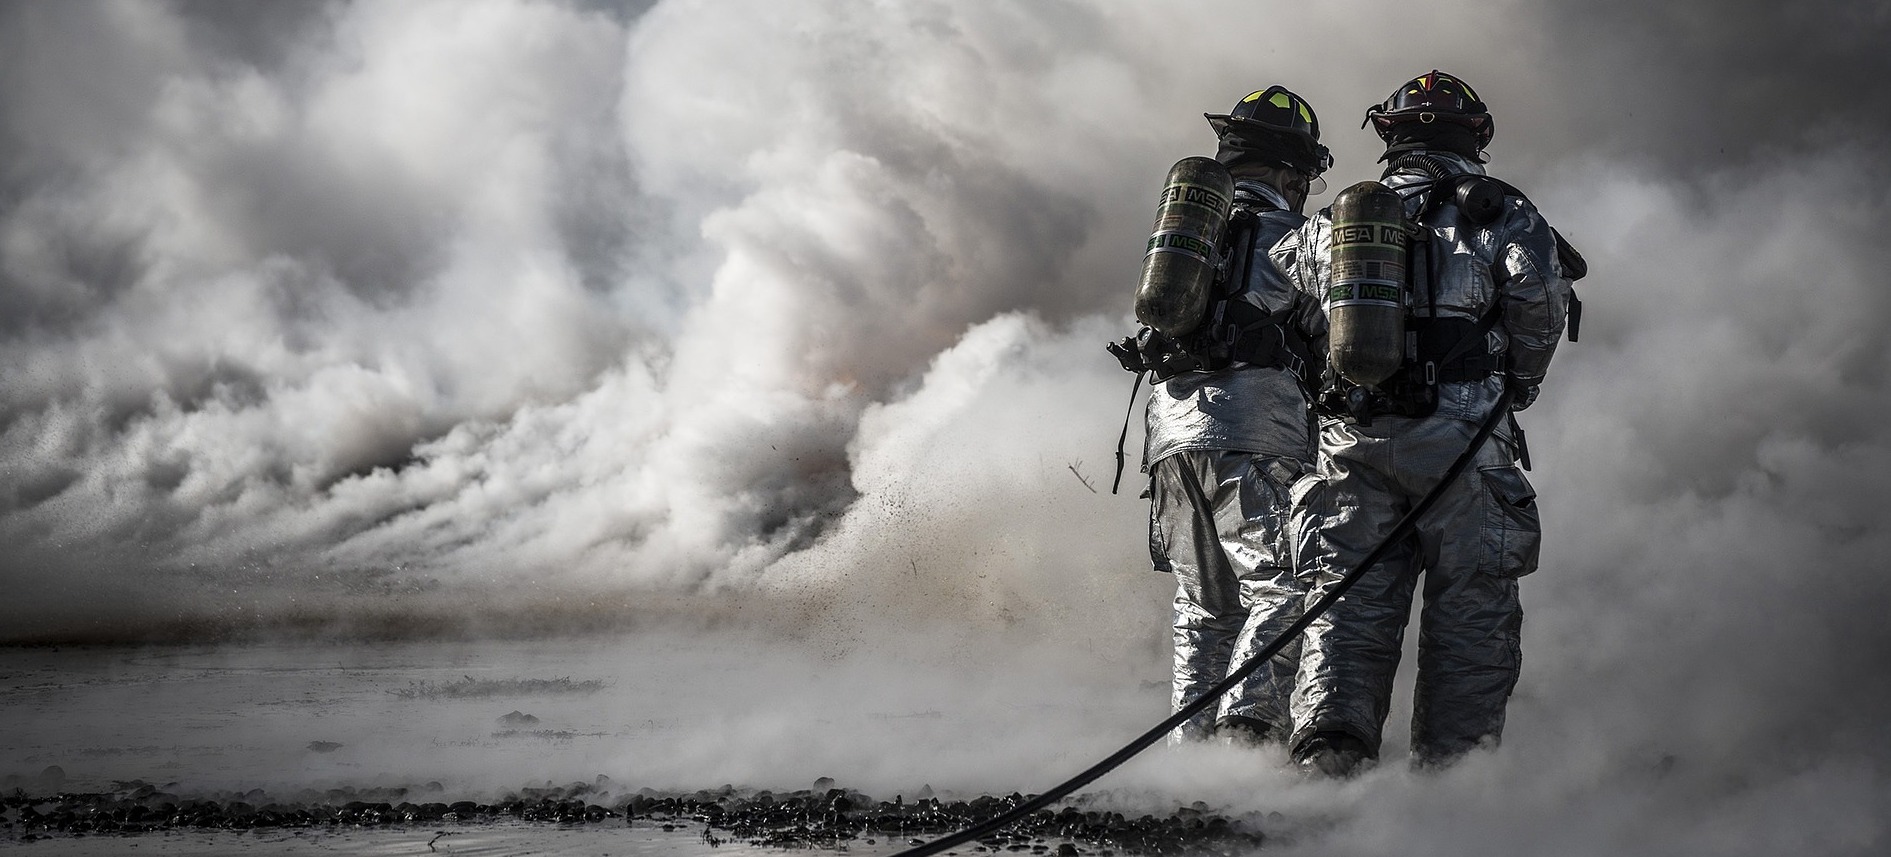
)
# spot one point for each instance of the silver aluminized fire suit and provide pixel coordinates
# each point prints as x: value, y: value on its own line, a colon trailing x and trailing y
x: 1222, y: 449
x: 1481, y: 536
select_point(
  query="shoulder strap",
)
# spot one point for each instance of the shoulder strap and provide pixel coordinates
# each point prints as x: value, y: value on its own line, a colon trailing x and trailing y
x: 1232, y: 276
x: 1123, y: 438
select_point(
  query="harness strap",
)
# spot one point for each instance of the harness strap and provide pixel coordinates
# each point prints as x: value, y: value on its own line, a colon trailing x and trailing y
x: 1123, y: 438
x: 1523, y: 446
x: 1267, y: 339
x: 1459, y: 357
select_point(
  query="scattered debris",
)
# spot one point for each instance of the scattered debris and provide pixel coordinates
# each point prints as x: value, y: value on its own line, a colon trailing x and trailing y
x: 1080, y: 477
x: 833, y: 818
x: 828, y: 817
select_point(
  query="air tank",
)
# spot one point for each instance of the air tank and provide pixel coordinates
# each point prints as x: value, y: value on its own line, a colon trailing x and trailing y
x: 1365, y: 305
x: 1178, y: 270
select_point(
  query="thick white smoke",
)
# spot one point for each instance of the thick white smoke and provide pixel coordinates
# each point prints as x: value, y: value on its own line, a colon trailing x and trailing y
x: 549, y: 314
x: 380, y: 345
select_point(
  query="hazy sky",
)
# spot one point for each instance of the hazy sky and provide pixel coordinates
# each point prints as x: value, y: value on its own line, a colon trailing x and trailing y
x: 374, y: 311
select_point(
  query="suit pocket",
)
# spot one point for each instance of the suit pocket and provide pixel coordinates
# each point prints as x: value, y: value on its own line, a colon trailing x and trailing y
x: 1513, y: 531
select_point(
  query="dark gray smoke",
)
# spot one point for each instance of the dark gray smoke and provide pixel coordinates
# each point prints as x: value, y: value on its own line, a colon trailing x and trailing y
x: 1697, y: 86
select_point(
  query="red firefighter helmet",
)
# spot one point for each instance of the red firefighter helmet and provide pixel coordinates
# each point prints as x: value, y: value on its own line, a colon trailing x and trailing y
x: 1430, y: 98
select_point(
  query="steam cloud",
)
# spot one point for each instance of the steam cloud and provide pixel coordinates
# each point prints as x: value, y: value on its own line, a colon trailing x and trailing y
x: 309, y: 312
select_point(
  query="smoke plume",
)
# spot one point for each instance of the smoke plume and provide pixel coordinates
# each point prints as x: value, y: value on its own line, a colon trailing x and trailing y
x: 525, y: 315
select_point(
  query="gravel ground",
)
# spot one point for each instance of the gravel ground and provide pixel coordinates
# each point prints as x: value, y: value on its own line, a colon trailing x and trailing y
x: 822, y: 818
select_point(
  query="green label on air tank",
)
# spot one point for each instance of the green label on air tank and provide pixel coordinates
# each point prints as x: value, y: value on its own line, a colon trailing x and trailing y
x: 1354, y: 294
x: 1180, y: 242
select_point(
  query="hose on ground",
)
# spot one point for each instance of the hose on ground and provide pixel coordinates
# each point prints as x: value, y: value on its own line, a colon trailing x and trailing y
x: 1400, y: 531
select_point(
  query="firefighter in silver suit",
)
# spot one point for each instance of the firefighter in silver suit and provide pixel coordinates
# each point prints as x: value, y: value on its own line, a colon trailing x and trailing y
x: 1498, y: 283
x: 1225, y: 442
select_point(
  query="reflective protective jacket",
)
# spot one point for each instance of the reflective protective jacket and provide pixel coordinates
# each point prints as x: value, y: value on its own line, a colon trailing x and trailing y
x: 1513, y: 258
x: 1247, y: 408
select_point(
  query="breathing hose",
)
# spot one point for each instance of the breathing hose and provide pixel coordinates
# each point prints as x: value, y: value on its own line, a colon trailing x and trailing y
x: 1399, y: 532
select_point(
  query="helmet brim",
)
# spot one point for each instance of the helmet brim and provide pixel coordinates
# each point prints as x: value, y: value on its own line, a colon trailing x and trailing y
x: 1225, y: 122
x: 1297, y: 151
x: 1387, y: 123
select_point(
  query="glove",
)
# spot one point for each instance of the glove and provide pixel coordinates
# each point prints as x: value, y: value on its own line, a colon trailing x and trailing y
x: 1522, y: 393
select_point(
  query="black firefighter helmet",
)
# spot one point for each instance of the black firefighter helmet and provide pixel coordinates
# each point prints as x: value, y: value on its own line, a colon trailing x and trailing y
x: 1433, y: 110
x: 1276, y: 126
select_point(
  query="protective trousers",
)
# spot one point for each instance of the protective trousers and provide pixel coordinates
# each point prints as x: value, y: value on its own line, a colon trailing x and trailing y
x: 1470, y: 549
x: 1218, y: 521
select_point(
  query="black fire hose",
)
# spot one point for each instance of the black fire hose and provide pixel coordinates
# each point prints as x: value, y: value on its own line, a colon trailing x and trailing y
x: 1399, y: 532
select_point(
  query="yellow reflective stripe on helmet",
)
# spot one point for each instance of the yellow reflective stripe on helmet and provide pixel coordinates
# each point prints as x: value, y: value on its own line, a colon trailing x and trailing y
x: 1283, y: 100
